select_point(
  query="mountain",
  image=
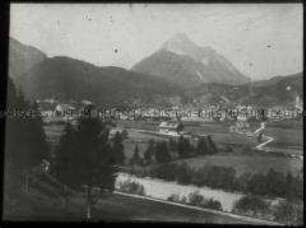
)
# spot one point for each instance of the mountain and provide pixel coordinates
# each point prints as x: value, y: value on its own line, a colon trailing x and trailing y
x: 21, y: 59
x: 67, y: 78
x: 181, y: 61
x: 280, y: 90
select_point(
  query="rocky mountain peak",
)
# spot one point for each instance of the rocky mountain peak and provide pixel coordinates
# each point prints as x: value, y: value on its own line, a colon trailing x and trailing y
x: 180, y: 44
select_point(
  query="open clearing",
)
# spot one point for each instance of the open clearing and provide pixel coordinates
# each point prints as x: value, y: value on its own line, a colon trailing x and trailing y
x: 285, y: 137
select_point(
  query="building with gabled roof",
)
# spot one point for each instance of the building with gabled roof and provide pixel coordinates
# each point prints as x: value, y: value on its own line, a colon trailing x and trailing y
x: 170, y: 128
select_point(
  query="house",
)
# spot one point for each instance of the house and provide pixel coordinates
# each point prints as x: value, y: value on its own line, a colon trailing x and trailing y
x: 240, y: 126
x: 64, y: 108
x: 114, y: 130
x: 46, y: 108
x: 65, y: 112
x: 170, y: 128
x: 86, y: 102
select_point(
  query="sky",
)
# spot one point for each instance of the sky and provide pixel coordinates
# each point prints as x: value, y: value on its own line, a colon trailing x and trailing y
x: 261, y: 40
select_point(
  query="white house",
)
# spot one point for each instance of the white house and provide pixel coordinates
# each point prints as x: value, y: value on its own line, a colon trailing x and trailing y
x: 170, y: 128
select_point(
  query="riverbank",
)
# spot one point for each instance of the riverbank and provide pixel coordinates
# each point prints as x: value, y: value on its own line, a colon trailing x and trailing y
x: 163, y: 190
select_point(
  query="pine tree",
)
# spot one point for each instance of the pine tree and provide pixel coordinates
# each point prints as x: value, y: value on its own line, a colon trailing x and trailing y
x: 172, y: 145
x: 212, y: 148
x: 25, y: 141
x: 149, y: 152
x: 63, y: 169
x: 136, y: 160
x: 184, y: 147
x: 162, y: 152
x: 118, y: 148
x: 202, y: 148
x: 85, y: 158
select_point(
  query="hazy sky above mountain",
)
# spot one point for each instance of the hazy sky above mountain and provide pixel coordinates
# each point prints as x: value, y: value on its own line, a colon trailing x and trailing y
x: 260, y: 40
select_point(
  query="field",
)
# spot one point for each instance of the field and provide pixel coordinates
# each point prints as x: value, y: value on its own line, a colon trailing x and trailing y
x: 145, y: 125
x: 247, y: 163
x: 219, y: 132
x: 221, y: 135
x: 286, y: 137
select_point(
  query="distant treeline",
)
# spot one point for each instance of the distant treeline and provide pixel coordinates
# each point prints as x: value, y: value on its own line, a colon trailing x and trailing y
x: 163, y: 151
x: 272, y: 184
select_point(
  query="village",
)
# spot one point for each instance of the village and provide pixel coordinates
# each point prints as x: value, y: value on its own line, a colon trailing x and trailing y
x: 53, y: 111
x: 174, y: 122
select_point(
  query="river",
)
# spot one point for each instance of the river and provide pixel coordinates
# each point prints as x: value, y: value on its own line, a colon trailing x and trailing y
x: 160, y: 189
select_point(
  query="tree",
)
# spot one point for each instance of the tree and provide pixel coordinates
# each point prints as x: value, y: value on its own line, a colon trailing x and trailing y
x: 25, y: 146
x: 213, y: 204
x: 243, y: 181
x: 275, y: 183
x: 136, y: 160
x: 25, y: 141
x: 174, y: 198
x: 202, y: 148
x: 166, y: 171
x: 124, y: 134
x: 183, y: 175
x: 86, y: 158
x: 257, y: 184
x: 118, y: 148
x: 221, y: 177
x: 172, y: 145
x: 149, y: 152
x: 63, y: 164
x: 293, y: 187
x: 184, y: 147
x: 289, y: 212
x: 195, y: 198
x: 251, y: 205
x: 162, y: 152
x: 212, y: 148
x: 180, y: 127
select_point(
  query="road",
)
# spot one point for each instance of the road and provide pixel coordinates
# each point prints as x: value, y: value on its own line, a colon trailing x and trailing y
x: 262, y: 145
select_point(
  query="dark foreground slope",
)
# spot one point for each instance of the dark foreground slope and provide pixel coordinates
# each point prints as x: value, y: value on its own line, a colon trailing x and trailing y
x: 115, y: 208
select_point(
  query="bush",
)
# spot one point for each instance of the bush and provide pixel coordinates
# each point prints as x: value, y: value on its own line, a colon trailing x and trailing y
x: 251, y: 205
x: 289, y: 212
x: 132, y: 187
x: 212, y: 204
x: 174, y: 198
x: 196, y: 199
x: 184, y: 199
